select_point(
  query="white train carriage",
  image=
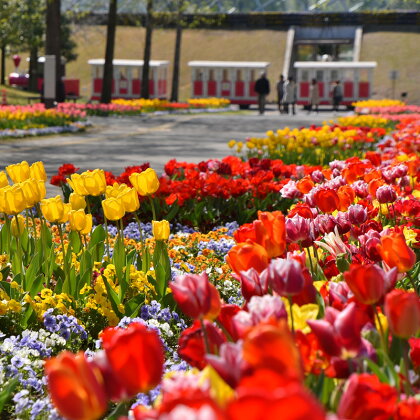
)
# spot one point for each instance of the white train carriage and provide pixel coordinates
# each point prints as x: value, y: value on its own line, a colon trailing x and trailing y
x: 127, y: 78
x: 355, y: 77
x: 234, y: 80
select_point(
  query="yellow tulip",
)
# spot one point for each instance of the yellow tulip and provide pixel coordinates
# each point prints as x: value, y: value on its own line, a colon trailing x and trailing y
x: 80, y: 221
x: 37, y: 171
x: 77, y: 184
x: 77, y: 201
x: 146, y: 182
x: 34, y: 191
x: 18, y: 225
x: 113, y: 208
x: 94, y: 182
x: 115, y: 190
x: 130, y: 200
x: 18, y: 172
x: 54, y: 210
x: 160, y: 230
x: 3, y: 179
x: 12, y: 200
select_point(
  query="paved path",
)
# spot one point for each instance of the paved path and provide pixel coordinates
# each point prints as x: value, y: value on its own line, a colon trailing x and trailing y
x: 116, y: 142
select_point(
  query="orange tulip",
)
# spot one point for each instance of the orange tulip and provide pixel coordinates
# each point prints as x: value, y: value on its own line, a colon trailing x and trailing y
x: 246, y: 255
x: 346, y: 195
x: 75, y: 386
x: 274, y: 224
x: 374, y: 185
x: 396, y: 253
x: 327, y: 200
x: 305, y: 184
x: 402, y: 310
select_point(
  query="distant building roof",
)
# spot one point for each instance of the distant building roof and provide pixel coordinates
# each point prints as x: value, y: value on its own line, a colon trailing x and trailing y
x: 232, y: 64
x: 335, y: 64
x: 133, y: 63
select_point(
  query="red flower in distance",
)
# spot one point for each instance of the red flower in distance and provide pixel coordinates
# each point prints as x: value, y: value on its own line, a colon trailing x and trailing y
x: 366, y: 398
x: 402, y: 310
x: 76, y: 386
x: 408, y: 409
x: 135, y: 356
x: 396, y: 253
x: 195, y: 295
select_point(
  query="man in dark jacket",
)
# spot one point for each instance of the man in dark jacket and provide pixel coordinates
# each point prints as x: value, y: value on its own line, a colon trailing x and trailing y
x: 262, y: 87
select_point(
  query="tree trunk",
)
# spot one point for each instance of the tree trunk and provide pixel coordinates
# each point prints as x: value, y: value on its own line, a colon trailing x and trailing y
x: 33, y: 70
x: 147, y: 51
x: 106, y: 94
x: 52, y: 38
x: 177, y: 59
x: 3, y: 65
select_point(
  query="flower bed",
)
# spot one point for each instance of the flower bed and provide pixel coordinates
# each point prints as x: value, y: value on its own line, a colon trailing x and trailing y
x: 310, y: 314
x: 19, y: 121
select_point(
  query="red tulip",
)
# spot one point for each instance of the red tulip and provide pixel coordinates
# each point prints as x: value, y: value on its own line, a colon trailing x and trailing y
x: 415, y: 351
x: 292, y: 402
x: 246, y: 255
x: 396, y: 253
x: 76, y: 386
x: 194, y: 294
x: 402, y: 310
x: 226, y: 318
x: 327, y: 200
x: 191, y: 343
x: 272, y: 347
x: 408, y: 409
x: 367, y: 282
x: 366, y: 398
x: 136, y: 356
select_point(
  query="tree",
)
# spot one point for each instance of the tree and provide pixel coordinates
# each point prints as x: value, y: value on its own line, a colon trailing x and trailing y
x: 147, y: 51
x: 7, y: 34
x: 107, y: 78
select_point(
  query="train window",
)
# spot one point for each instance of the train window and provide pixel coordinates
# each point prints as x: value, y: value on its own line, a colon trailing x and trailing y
x: 305, y: 53
x: 363, y: 75
x: 319, y: 76
x: 348, y: 75
x: 345, y: 52
x: 225, y: 75
x: 136, y: 71
x: 122, y: 72
x: 334, y: 75
x: 252, y: 75
x: 239, y: 75
x: 304, y: 76
x: 98, y: 72
x: 211, y: 75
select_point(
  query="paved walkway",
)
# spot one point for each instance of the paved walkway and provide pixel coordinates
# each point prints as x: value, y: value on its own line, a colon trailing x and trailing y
x: 116, y: 142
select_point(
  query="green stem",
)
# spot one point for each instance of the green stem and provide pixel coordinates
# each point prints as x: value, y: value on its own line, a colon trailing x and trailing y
x: 412, y: 281
x: 291, y: 314
x: 19, y: 252
x: 206, y: 339
x: 152, y: 203
x: 310, y: 262
x: 66, y: 268
x: 34, y: 225
x: 107, y: 238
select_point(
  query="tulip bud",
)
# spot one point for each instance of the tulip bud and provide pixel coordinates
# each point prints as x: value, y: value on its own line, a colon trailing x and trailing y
x: 246, y: 255
x: 37, y: 171
x: 386, y: 194
x: 75, y: 386
x: 130, y: 200
x: 298, y: 228
x: 357, y: 214
x: 77, y: 201
x: 146, y: 182
x: 18, y: 172
x: 34, y: 191
x: 77, y: 184
x: 115, y: 190
x: 79, y: 221
x: 94, y: 182
x: 113, y: 208
x: 402, y: 310
x: 18, y: 225
x: 252, y: 284
x: 160, y: 229
x: 396, y: 253
x: 3, y: 179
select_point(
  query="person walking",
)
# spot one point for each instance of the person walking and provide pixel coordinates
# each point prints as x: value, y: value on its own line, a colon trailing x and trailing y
x: 280, y: 93
x: 289, y: 95
x: 313, y: 96
x: 337, y: 95
x: 262, y: 87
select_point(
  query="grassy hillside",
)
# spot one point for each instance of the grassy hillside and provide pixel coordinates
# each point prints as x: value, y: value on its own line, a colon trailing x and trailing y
x: 392, y: 50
